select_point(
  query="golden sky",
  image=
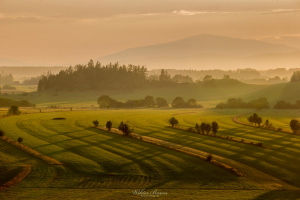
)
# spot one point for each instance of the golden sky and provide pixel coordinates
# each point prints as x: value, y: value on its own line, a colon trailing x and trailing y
x: 60, y: 32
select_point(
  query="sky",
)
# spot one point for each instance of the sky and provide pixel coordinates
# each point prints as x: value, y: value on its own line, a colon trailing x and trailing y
x: 63, y: 32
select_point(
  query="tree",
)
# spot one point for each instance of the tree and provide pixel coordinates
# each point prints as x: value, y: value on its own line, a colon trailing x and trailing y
x: 214, y: 127
x: 192, y: 102
x: 108, y: 125
x: 259, y: 121
x: 250, y: 119
x: 164, y: 76
x: 255, y: 117
x: 267, y: 123
x: 294, y: 124
x: 96, y: 123
x: 14, y: 110
x: 197, y: 127
x: 173, y: 121
x: 203, y: 127
x: 149, y: 101
x: 208, y: 128
x: 125, y: 128
x: 178, y: 102
x: 161, y: 102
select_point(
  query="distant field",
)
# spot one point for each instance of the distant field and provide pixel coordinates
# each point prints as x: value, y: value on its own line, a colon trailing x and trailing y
x: 94, y: 158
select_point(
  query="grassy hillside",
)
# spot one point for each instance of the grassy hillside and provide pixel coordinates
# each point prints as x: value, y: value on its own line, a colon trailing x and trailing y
x: 94, y: 158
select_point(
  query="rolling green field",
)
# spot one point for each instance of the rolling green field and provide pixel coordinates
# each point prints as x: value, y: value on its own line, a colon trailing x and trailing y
x: 112, y: 166
x: 97, y: 164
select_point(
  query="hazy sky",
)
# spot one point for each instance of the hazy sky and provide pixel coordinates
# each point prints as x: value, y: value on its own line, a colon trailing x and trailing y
x: 55, y: 32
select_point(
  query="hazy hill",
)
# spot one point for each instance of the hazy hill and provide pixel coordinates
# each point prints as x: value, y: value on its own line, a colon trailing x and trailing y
x: 11, y: 62
x: 206, y: 51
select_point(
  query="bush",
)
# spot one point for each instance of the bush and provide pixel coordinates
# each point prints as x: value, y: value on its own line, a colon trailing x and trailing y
x: 125, y: 128
x: 20, y: 140
x: 279, y: 129
x: 14, y: 110
x: 209, y: 157
x: 96, y: 123
x: 2, y: 133
x: 190, y: 129
x: 260, y: 144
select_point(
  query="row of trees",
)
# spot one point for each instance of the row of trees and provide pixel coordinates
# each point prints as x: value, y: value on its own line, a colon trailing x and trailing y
x: 260, y: 103
x: 124, y: 127
x: 287, y: 105
x: 104, y: 101
x: 202, y: 128
x: 6, y: 102
x: 296, y: 76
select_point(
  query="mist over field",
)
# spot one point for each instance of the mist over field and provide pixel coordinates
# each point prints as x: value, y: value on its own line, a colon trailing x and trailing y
x: 150, y: 99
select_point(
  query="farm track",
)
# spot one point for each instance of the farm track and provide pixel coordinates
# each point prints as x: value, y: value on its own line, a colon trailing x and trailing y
x: 26, y: 169
x: 246, y: 171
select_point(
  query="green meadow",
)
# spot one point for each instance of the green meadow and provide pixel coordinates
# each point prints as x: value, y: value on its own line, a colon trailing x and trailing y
x: 97, y: 164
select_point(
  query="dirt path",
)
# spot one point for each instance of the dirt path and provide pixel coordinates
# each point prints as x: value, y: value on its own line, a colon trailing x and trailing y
x: 249, y: 173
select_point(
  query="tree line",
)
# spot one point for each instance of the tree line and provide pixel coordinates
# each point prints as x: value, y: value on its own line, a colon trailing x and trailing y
x: 259, y: 103
x: 6, y: 102
x: 105, y: 101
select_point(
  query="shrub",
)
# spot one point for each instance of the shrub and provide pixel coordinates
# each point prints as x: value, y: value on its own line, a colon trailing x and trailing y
x: 20, y: 140
x: 209, y: 157
x: 190, y: 129
x: 260, y: 144
x: 2, y: 133
x: 279, y: 129
x: 242, y: 140
x: 96, y: 123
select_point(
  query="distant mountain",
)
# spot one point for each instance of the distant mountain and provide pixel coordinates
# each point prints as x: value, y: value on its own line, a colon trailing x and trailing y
x: 10, y: 62
x: 203, y: 51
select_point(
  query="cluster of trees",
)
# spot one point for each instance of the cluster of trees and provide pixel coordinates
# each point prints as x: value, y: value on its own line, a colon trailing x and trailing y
x: 6, y: 102
x: 124, y: 127
x: 255, y: 119
x: 8, y: 87
x: 179, y: 102
x: 274, y: 80
x: 296, y: 76
x: 202, y: 128
x: 104, y: 101
x: 96, y: 76
x: 287, y: 105
x: 206, y: 128
x: 259, y: 103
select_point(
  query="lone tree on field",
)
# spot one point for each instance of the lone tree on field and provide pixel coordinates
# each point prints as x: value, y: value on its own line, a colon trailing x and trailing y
x: 208, y: 128
x: 295, y: 126
x: 173, y: 121
x: 125, y: 128
x: 14, y: 110
x: 108, y: 125
x: 96, y: 123
x: 267, y: 123
x: 214, y: 127
x: 20, y: 140
x: 250, y: 120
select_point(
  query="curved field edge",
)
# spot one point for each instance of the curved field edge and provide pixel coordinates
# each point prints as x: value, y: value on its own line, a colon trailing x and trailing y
x: 26, y: 169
